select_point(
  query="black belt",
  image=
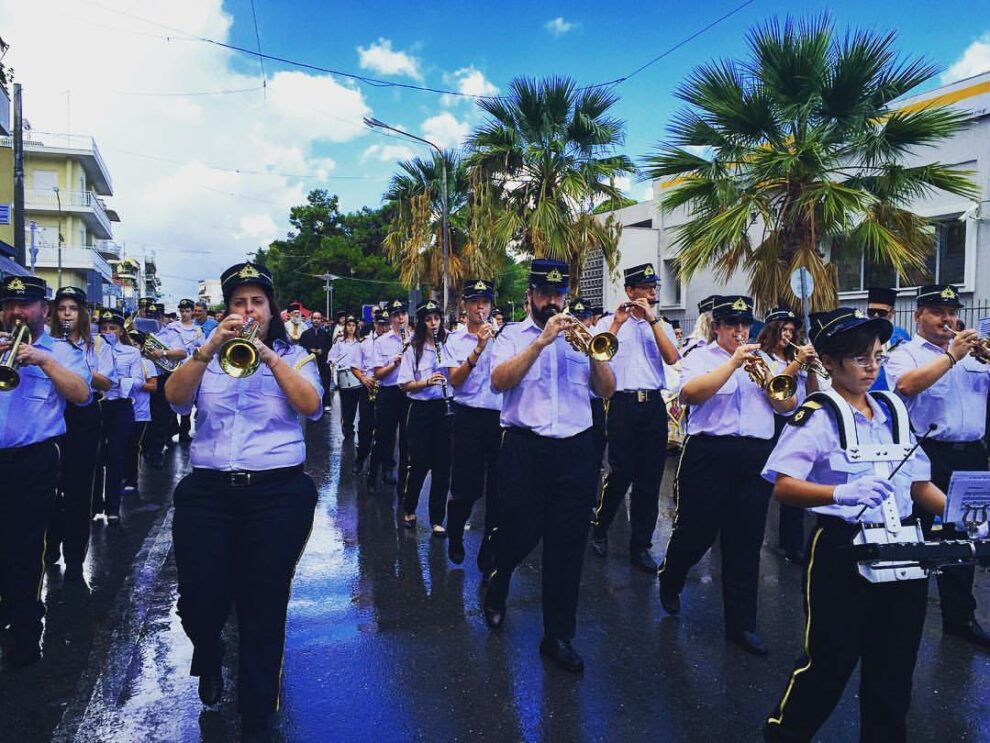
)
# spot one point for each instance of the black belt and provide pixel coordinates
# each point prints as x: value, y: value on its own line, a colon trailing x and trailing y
x: 951, y: 445
x: 13, y: 451
x: 641, y: 395
x: 529, y: 433
x: 243, y: 478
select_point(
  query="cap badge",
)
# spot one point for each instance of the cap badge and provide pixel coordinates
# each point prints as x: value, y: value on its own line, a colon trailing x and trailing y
x: 554, y: 277
x: 648, y: 271
x: 396, y: 304
x: 249, y: 272
x: 858, y: 314
x: 480, y: 286
x: 947, y: 293
x: 16, y: 285
x: 579, y: 307
x: 799, y: 415
x: 740, y: 304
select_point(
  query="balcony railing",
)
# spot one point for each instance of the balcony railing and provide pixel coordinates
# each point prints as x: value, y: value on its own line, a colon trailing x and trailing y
x: 69, y: 201
x: 78, y: 142
x: 75, y: 257
x: 109, y: 249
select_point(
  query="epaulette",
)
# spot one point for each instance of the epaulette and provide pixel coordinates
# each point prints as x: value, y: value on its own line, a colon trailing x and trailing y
x: 804, y: 412
x: 817, y: 401
x: 902, y: 340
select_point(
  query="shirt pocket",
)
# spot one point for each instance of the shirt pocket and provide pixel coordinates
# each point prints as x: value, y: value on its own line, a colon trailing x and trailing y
x: 269, y: 385
x: 214, y: 381
x: 977, y: 379
x: 578, y: 369
x: 37, y: 385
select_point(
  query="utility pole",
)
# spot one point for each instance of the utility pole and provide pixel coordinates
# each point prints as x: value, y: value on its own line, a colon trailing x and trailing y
x: 34, y: 248
x: 58, y: 198
x: 328, y: 279
x: 19, y: 256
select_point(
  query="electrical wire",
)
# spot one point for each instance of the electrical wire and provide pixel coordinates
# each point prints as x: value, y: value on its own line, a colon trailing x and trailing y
x: 261, y: 60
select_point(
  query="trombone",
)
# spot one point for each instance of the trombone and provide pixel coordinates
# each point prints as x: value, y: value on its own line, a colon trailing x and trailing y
x: 815, y: 365
x: 238, y: 357
x: 980, y: 352
x: 9, y: 377
x: 600, y: 347
x: 777, y: 386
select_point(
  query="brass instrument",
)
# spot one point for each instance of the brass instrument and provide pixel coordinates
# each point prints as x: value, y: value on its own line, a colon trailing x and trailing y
x: 9, y: 378
x: 152, y: 343
x: 238, y: 357
x: 600, y: 347
x: 373, y: 392
x: 447, y: 399
x: 776, y: 386
x: 815, y: 366
x: 402, y: 337
x: 981, y: 351
x: 67, y: 330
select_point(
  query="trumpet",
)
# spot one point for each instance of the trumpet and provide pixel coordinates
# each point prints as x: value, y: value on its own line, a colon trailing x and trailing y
x: 373, y: 392
x: 981, y: 351
x: 815, y: 365
x: 238, y: 356
x: 776, y: 386
x: 600, y: 347
x: 447, y: 400
x: 152, y: 343
x: 9, y: 377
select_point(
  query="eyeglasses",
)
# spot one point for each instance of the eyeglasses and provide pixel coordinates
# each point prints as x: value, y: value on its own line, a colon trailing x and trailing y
x: 865, y: 362
x: 877, y: 312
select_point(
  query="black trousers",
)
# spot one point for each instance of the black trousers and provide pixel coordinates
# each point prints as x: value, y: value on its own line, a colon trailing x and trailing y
x: 790, y: 522
x: 637, y: 435
x: 599, y: 427
x: 850, y: 621
x: 474, y: 471
x: 27, y: 497
x: 366, y: 425
x: 546, y: 491
x: 349, y: 399
x: 118, y: 424
x: 326, y: 379
x: 237, y: 546
x: 955, y: 583
x: 429, y: 429
x: 68, y: 532
x: 719, y: 492
x: 162, y: 423
x: 132, y: 457
x: 391, y: 410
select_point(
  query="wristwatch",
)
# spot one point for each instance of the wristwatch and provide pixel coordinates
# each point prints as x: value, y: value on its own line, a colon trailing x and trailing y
x: 197, y: 356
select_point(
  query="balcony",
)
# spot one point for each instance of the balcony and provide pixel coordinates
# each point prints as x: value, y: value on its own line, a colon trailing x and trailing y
x: 109, y: 249
x: 83, y: 204
x: 76, y: 257
x: 75, y: 146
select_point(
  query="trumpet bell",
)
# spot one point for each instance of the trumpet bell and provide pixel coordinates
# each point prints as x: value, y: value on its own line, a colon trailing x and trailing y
x: 239, y: 358
x: 781, y: 387
x: 9, y: 379
x: 603, y: 346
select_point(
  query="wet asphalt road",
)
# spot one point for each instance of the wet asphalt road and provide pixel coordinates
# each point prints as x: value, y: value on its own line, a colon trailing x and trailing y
x: 386, y: 642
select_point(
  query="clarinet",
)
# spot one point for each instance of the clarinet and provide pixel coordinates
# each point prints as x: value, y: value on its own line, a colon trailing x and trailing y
x: 447, y: 401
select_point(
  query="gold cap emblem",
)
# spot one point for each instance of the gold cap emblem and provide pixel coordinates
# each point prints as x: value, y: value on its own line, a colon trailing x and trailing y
x: 858, y: 314
x: 554, y: 276
x: 740, y: 304
x: 578, y: 306
x: 799, y: 415
x: 948, y: 293
x: 480, y: 286
x: 396, y: 304
x: 249, y: 272
x: 16, y: 285
x: 648, y: 271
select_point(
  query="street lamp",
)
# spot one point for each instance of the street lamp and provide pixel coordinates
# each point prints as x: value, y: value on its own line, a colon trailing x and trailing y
x: 58, y: 199
x: 444, y: 206
x: 328, y: 279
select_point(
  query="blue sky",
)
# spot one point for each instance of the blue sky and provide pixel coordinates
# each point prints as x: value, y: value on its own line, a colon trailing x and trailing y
x: 203, y: 178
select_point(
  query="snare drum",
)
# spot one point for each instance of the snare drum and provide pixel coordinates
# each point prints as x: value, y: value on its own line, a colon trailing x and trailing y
x: 346, y: 379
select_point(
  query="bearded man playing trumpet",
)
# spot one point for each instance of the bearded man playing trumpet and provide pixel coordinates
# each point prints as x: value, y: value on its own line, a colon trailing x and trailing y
x: 719, y: 489
x: 636, y: 423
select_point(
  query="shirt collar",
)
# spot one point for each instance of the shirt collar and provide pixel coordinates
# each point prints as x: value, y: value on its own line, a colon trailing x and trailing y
x: 879, y: 416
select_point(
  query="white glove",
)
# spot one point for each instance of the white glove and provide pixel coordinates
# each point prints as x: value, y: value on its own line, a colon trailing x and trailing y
x: 868, y: 491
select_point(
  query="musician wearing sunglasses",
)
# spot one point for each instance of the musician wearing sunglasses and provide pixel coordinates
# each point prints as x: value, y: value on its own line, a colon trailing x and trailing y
x: 242, y: 517
x: 584, y: 313
x: 944, y: 386
x: 719, y: 489
x: 637, y: 417
x: 880, y: 306
x: 546, y: 469
x: 37, y: 379
x: 392, y: 405
x: 827, y: 462
x: 477, y: 432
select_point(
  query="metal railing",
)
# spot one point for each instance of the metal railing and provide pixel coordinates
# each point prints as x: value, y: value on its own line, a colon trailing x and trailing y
x: 46, y: 198
x: 75, y: 257
x: 80, y: 142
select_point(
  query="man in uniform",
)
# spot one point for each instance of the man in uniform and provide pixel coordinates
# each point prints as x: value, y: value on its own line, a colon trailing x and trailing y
x: 366, y: 403
x: 546, y: 466
x: 163, y: 420
x: 584, y: 312
x: 637, y: 417
x: 185, y: 335
x: 50, y: 373
x: 945, y: 390
x: 318, y: 340
x: 392, y: 403
x: 880, y: 305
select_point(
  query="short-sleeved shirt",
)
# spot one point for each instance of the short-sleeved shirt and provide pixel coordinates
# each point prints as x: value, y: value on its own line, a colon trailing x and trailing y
x: 476, y: 390
x: 130, y: 371
x: 248, y: 423
x: 386, y: 348
x: 178, y: 336
x: 142, y: 398
x: 345, y: 354
x: 411, y: 371
x: 34, y: 411
x: 637, y: 364
x: 738, y: 408
x: 812, y: 452
x: 956, y: 403
x: 553, y: 399
x: 365, y: 361
x: 99, y: 359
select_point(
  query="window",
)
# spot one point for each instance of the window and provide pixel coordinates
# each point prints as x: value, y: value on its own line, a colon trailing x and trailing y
x: 946, y: 264
x: 44, y: 179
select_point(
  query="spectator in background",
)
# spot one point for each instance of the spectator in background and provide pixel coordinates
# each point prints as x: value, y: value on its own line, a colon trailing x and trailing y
x: 201, y: 317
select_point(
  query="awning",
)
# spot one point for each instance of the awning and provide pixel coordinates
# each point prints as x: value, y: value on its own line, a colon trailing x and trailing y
x: 11, y: 268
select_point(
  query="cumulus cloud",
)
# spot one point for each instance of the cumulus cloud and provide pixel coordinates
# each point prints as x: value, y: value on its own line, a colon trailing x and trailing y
x: 200, y: 180
x: 445, y: 130
x: 974, y: 60
x: 558, y: 26
x: 468, y: 81
x: 380, y: 57
x: 387, y: 153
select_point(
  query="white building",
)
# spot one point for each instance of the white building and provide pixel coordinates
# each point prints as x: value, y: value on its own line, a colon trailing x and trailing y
x: 210, y: 291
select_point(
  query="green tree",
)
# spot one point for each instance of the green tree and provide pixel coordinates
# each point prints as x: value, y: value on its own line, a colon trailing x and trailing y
x: 545, y: 156
x: 803, y: 145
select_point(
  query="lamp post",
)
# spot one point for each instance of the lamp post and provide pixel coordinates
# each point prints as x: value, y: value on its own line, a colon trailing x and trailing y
x: 328, y: 279
x: 58, y: 199
x: 444, y: 206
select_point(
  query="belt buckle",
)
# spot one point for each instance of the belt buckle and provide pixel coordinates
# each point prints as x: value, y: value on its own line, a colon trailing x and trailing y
x: 240, y: 479
x: 642, y: 395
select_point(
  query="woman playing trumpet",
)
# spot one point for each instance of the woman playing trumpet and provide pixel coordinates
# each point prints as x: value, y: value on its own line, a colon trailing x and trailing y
x: 242, y: 517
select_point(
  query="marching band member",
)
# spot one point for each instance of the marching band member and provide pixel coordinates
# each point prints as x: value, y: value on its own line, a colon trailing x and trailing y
x: 392, y: 404
x: 187, y: 334
x: 338, y: 328
x: 364, y: 370
x: 546, y: 469
x: 944, y: 386
x: 423, y: 379
x: 343, y: 356
x: 849, y: 620
x: 718, y: 486
x: 244, y: 513
x: 118, y: 410
x: 79, y: 446
x: 317, y: 339
x: 702, y: 334
x: 163, y: 421
x: 477, y: 432
x: 141, y: 395
x: 499, y: 317
x: 637, y: 418
x: 584, y: 313
x: 880, y: 304
x: 49, y: 373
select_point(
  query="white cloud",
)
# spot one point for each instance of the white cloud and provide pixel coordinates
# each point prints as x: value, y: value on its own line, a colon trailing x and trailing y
x: 380, y: 57
x: 387, y: 153
x: 558, y: 26
x: 468, y: 81
x: 445, y: 130
x: 974, y: 60
x: 159, y: 150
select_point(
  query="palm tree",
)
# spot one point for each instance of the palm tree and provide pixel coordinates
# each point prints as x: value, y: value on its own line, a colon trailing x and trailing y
x: 541, y: 162
x: 414, y: 241
x: 800, y: 146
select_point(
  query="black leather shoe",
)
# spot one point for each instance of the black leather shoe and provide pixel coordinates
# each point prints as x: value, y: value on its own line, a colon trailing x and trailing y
x: 494, y: 607
x: 749, y: 641
x: 211, y: 687
x: 644, y: 561
x: 671, y: 602
x: 562, y: 654
x: 73, y: 571
x: 599, y: 546
x: 455, y: 551
x: 971, y: 631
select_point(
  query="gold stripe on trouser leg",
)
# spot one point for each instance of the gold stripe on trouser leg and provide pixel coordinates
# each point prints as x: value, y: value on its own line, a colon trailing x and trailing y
x: 281, y: 660
x: 677, y: 502
x: 601, y: 496
x: 807, y: 633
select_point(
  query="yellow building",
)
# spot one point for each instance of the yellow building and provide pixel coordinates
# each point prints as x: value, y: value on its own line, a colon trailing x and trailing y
x: 65, y: 217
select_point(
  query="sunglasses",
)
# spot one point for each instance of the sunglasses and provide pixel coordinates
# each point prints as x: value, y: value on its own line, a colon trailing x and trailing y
x: 877, y: 312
